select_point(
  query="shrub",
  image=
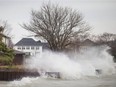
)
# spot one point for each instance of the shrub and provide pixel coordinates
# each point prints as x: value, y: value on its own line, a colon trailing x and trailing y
x: 6, y: 54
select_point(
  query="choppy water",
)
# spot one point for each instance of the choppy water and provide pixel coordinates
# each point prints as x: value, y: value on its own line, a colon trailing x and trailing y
x: 76, y: 71
x: 106, y: 81
x: 74, y: 65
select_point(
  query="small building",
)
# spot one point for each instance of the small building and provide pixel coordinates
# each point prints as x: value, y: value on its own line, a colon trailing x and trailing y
x: 30, y: 47
x: 88, y: 42
x: 18, y: 57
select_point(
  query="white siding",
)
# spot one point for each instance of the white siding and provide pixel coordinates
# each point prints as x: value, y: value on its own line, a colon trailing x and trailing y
x: 29, y: 49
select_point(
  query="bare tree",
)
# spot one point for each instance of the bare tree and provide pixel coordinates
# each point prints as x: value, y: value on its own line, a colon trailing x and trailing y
x: 59, y: 26
x: 5, y: 28
x: 5, y: 32
x: 106, y: 37
x: 1, y: 30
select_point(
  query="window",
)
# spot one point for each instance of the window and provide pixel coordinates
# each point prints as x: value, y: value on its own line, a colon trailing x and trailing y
x: 32, y: 48
x: 27, y: 48
x: 37, y: 48
x: 19, y: 48
x: 23, y: 48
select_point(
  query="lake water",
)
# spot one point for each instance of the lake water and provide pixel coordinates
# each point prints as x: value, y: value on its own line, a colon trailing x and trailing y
x: 77, y: 70
x: 102, y: 81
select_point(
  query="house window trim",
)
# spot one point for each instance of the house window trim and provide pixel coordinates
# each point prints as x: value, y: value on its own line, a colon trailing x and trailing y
x: 37, y: 48
x: 23, y: 47
x: 32, y: 48
x: 19, y: 47
x: 27, y: 47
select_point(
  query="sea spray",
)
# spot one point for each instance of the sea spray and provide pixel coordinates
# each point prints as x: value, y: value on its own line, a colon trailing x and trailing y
x: 24, y: 81
x: 56, y: 62
x: 76, y: 65
x: 95, y: 58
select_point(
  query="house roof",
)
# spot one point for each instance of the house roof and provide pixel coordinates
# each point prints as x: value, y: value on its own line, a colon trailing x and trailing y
x: 88, y: 42
x: 30, y: 42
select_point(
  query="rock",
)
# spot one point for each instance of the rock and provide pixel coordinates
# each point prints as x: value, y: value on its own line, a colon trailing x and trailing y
x: 98, y: 71
x: 53, y: 74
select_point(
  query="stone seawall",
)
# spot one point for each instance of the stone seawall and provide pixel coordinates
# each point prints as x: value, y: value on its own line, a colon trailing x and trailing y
x: 10, y: 75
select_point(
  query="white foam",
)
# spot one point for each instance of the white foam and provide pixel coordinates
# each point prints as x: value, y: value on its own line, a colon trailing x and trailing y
x: 22, y: 82
x: 75, y: 66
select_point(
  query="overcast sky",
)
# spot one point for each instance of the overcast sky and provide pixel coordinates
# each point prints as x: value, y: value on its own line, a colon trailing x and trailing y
x: 100, y: 14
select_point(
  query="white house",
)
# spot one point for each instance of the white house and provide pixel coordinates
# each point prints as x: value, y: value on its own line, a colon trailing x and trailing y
x: 6, y: 40
x: 30, y: 46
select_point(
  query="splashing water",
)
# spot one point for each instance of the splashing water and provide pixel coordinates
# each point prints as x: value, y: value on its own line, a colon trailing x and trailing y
x: 22, y: 82
x: 76, y: 65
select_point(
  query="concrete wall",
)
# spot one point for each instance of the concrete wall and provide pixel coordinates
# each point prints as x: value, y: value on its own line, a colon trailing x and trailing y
x: 10, y: 75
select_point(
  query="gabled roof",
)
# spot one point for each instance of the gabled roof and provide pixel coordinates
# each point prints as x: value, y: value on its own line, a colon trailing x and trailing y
x: 88, y: 42
x: 27, y: 42
x: 30, y: 42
